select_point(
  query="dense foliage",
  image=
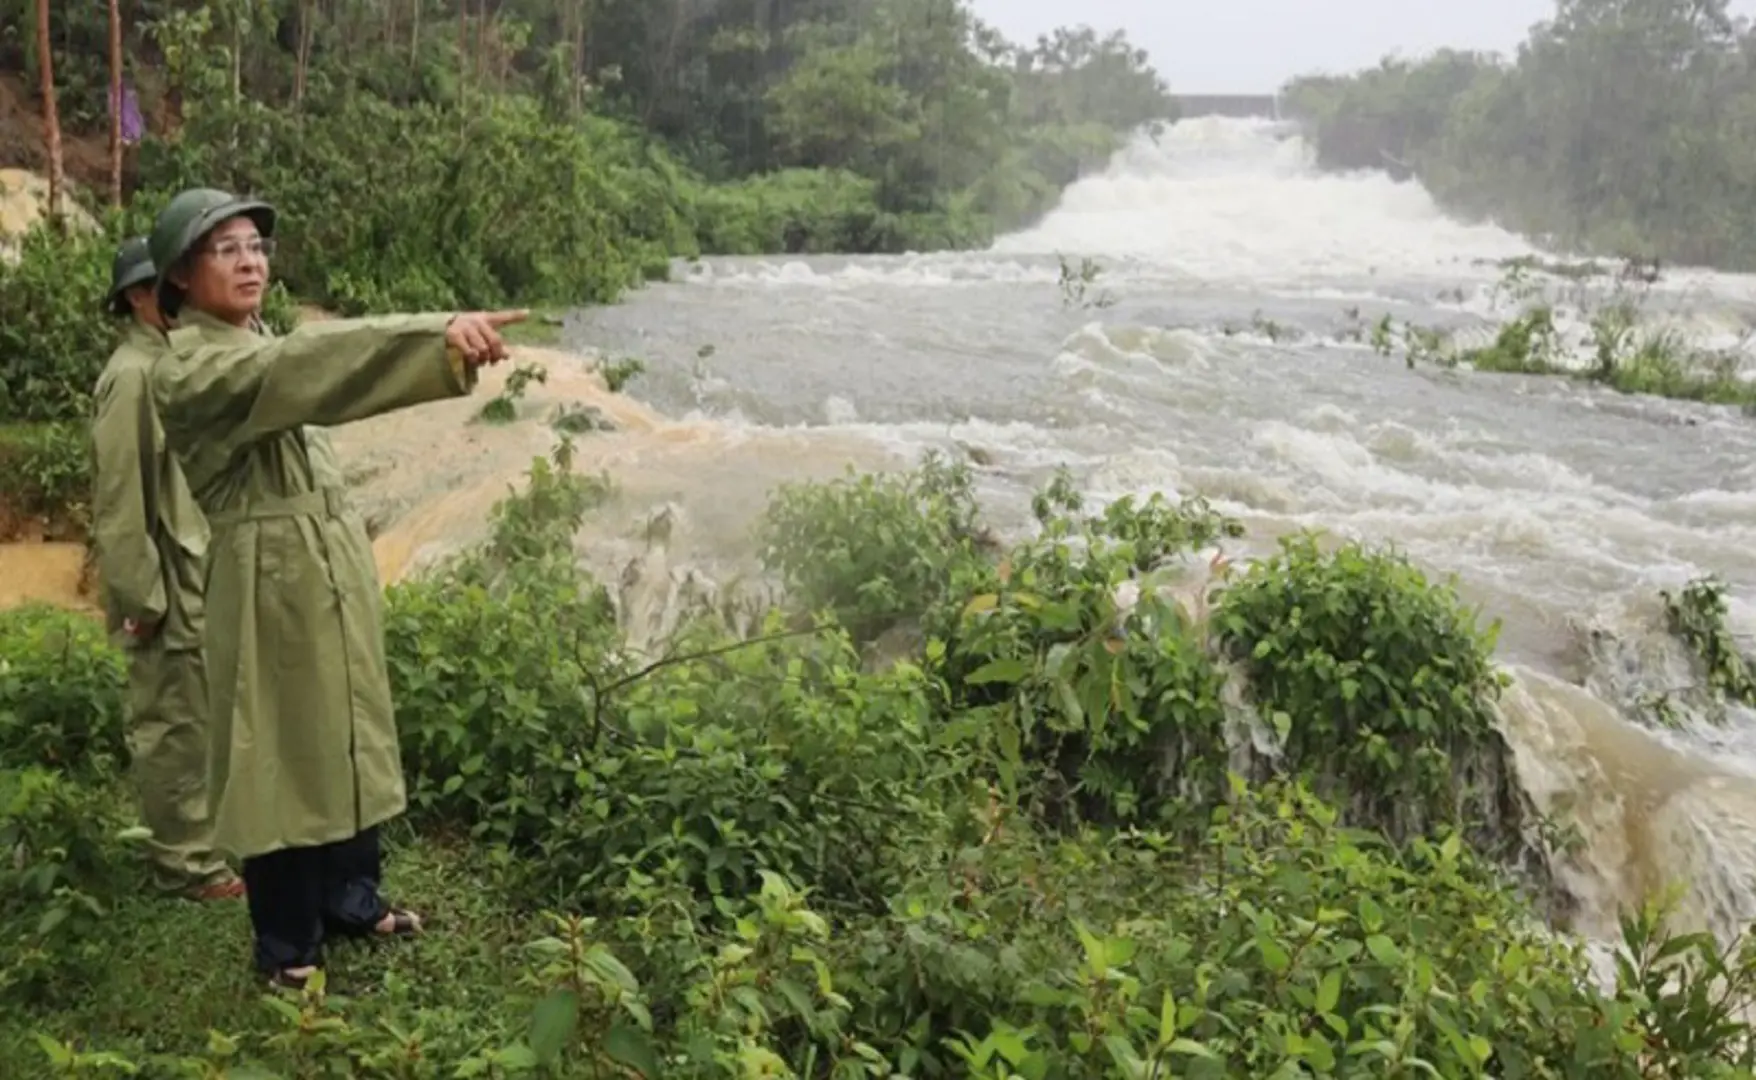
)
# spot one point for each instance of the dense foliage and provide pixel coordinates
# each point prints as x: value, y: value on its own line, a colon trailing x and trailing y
x: 1626, y: 127
x: 1019, y: 848
x: 511, y: 150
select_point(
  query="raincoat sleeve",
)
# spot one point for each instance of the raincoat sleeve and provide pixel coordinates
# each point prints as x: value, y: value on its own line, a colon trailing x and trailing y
x: 122, y: 509
x: 322, y: 374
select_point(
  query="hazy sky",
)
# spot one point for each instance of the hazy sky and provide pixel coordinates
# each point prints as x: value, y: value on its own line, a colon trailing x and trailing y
x: 1252, y: 46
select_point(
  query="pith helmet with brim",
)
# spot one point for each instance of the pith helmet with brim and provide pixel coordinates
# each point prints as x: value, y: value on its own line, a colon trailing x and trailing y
x: 188, y: 218
x: 133, y: 266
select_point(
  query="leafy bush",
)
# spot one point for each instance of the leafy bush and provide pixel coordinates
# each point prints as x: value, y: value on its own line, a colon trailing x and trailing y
x: 46, y: 474
x: 450, y: 211
x: 598, y: 772
x: 1379, y: 683
x: 62, y: 693
x: 1697, y: 615
x: 486, y: 664
x: 490, y: 719
x: 1278, y: 945
x: 802, y: 864
x: 53, y: 332
x: 814, y: 212
x: 872, y: 550
x: 63, y: 862
x: 1090, y: 676
x: 779, y: 756
x: 1095, y: 687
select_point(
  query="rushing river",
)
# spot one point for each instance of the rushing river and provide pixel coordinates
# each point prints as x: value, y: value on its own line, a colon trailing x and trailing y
x: 1563, y: 509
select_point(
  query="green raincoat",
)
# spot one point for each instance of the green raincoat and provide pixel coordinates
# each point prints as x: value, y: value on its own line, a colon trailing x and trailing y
x: 304, y: 739
x: 150, y: 539
x: 149, y: 533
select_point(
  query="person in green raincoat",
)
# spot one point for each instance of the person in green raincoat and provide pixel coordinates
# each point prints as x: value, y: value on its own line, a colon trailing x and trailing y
x: 149, y: 537
x: 304, y: 758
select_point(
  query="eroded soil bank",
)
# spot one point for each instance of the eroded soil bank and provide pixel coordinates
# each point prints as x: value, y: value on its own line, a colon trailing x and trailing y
x: 426, y: 479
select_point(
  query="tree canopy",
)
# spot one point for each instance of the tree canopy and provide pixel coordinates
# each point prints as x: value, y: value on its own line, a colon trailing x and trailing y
x: 1626, y: 126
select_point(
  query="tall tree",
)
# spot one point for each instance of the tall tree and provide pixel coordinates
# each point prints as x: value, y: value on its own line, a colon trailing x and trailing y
x: 51, y: 121
x: 115, y: 103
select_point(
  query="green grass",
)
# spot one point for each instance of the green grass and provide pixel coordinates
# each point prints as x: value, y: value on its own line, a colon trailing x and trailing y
x: 178, y: 970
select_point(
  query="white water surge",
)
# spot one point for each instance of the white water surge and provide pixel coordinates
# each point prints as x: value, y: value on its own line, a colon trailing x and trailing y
x: 1563, y: 508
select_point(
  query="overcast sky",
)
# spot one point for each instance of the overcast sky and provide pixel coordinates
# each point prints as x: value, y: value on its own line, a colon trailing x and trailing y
x: 1252, y: 46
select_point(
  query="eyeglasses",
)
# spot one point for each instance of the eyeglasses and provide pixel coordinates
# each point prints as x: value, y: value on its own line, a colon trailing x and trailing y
x: 234, y: 250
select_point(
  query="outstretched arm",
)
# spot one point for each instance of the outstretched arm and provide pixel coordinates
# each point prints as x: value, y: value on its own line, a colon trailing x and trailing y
x: 322, y: 374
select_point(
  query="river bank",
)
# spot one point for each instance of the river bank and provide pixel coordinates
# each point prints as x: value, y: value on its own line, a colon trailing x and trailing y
x: 977, y: 824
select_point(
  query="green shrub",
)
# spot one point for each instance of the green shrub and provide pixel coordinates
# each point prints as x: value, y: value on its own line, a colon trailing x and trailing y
x: 62, y: 693
x: 46, y: 473
x: 490, y: 660
x: 872, y: 550
x: 491, y: 697
x: 1093, y: 686
x: 449, y: 210
x: 1378, y: 682
x: 796, y: 211
x: 734, y: 759
x: 802, y: 864
x: 54, y: 334
x: 279, y: 310
x: 1090, y: 678
x: 1697, y: 617
x: 63, y: 863
x: 1280, y: 944
x: 595, y: 773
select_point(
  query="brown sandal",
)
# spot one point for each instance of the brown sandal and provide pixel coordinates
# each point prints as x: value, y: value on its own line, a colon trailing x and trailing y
x: 403, y: 923
x: 285, y: 980
x: 231, y: 888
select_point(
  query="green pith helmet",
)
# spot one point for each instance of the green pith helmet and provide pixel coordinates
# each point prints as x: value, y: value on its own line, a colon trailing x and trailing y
x: 133, y: 266
x: 189, y: 217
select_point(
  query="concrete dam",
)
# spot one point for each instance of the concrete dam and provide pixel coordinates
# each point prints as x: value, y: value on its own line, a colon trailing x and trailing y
x: 1236, y: 105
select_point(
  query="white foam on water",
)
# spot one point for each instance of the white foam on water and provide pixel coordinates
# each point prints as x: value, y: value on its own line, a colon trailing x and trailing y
x: 1224, y: 198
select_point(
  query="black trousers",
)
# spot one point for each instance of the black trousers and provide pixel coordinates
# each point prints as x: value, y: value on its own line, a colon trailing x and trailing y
x: 298, y: 896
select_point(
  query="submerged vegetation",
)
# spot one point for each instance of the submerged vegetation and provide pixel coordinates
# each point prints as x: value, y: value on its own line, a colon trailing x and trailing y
x: 1697, y: 615
x: 1612, y: 342
x: 1579, y: 321
x: 1119, y: 811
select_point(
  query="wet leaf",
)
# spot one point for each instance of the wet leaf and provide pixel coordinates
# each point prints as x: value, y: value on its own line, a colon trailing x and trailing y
x: 1004, y: 670
x: 552, y: 1023
x: 632, y: 1047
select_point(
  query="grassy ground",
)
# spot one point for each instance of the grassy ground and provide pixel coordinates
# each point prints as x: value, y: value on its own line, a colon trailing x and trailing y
x: 177, y: 970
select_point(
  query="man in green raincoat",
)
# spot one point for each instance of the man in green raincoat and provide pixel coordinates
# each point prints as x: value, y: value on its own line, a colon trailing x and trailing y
x: 304, y: 760
x: 150, y: 537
